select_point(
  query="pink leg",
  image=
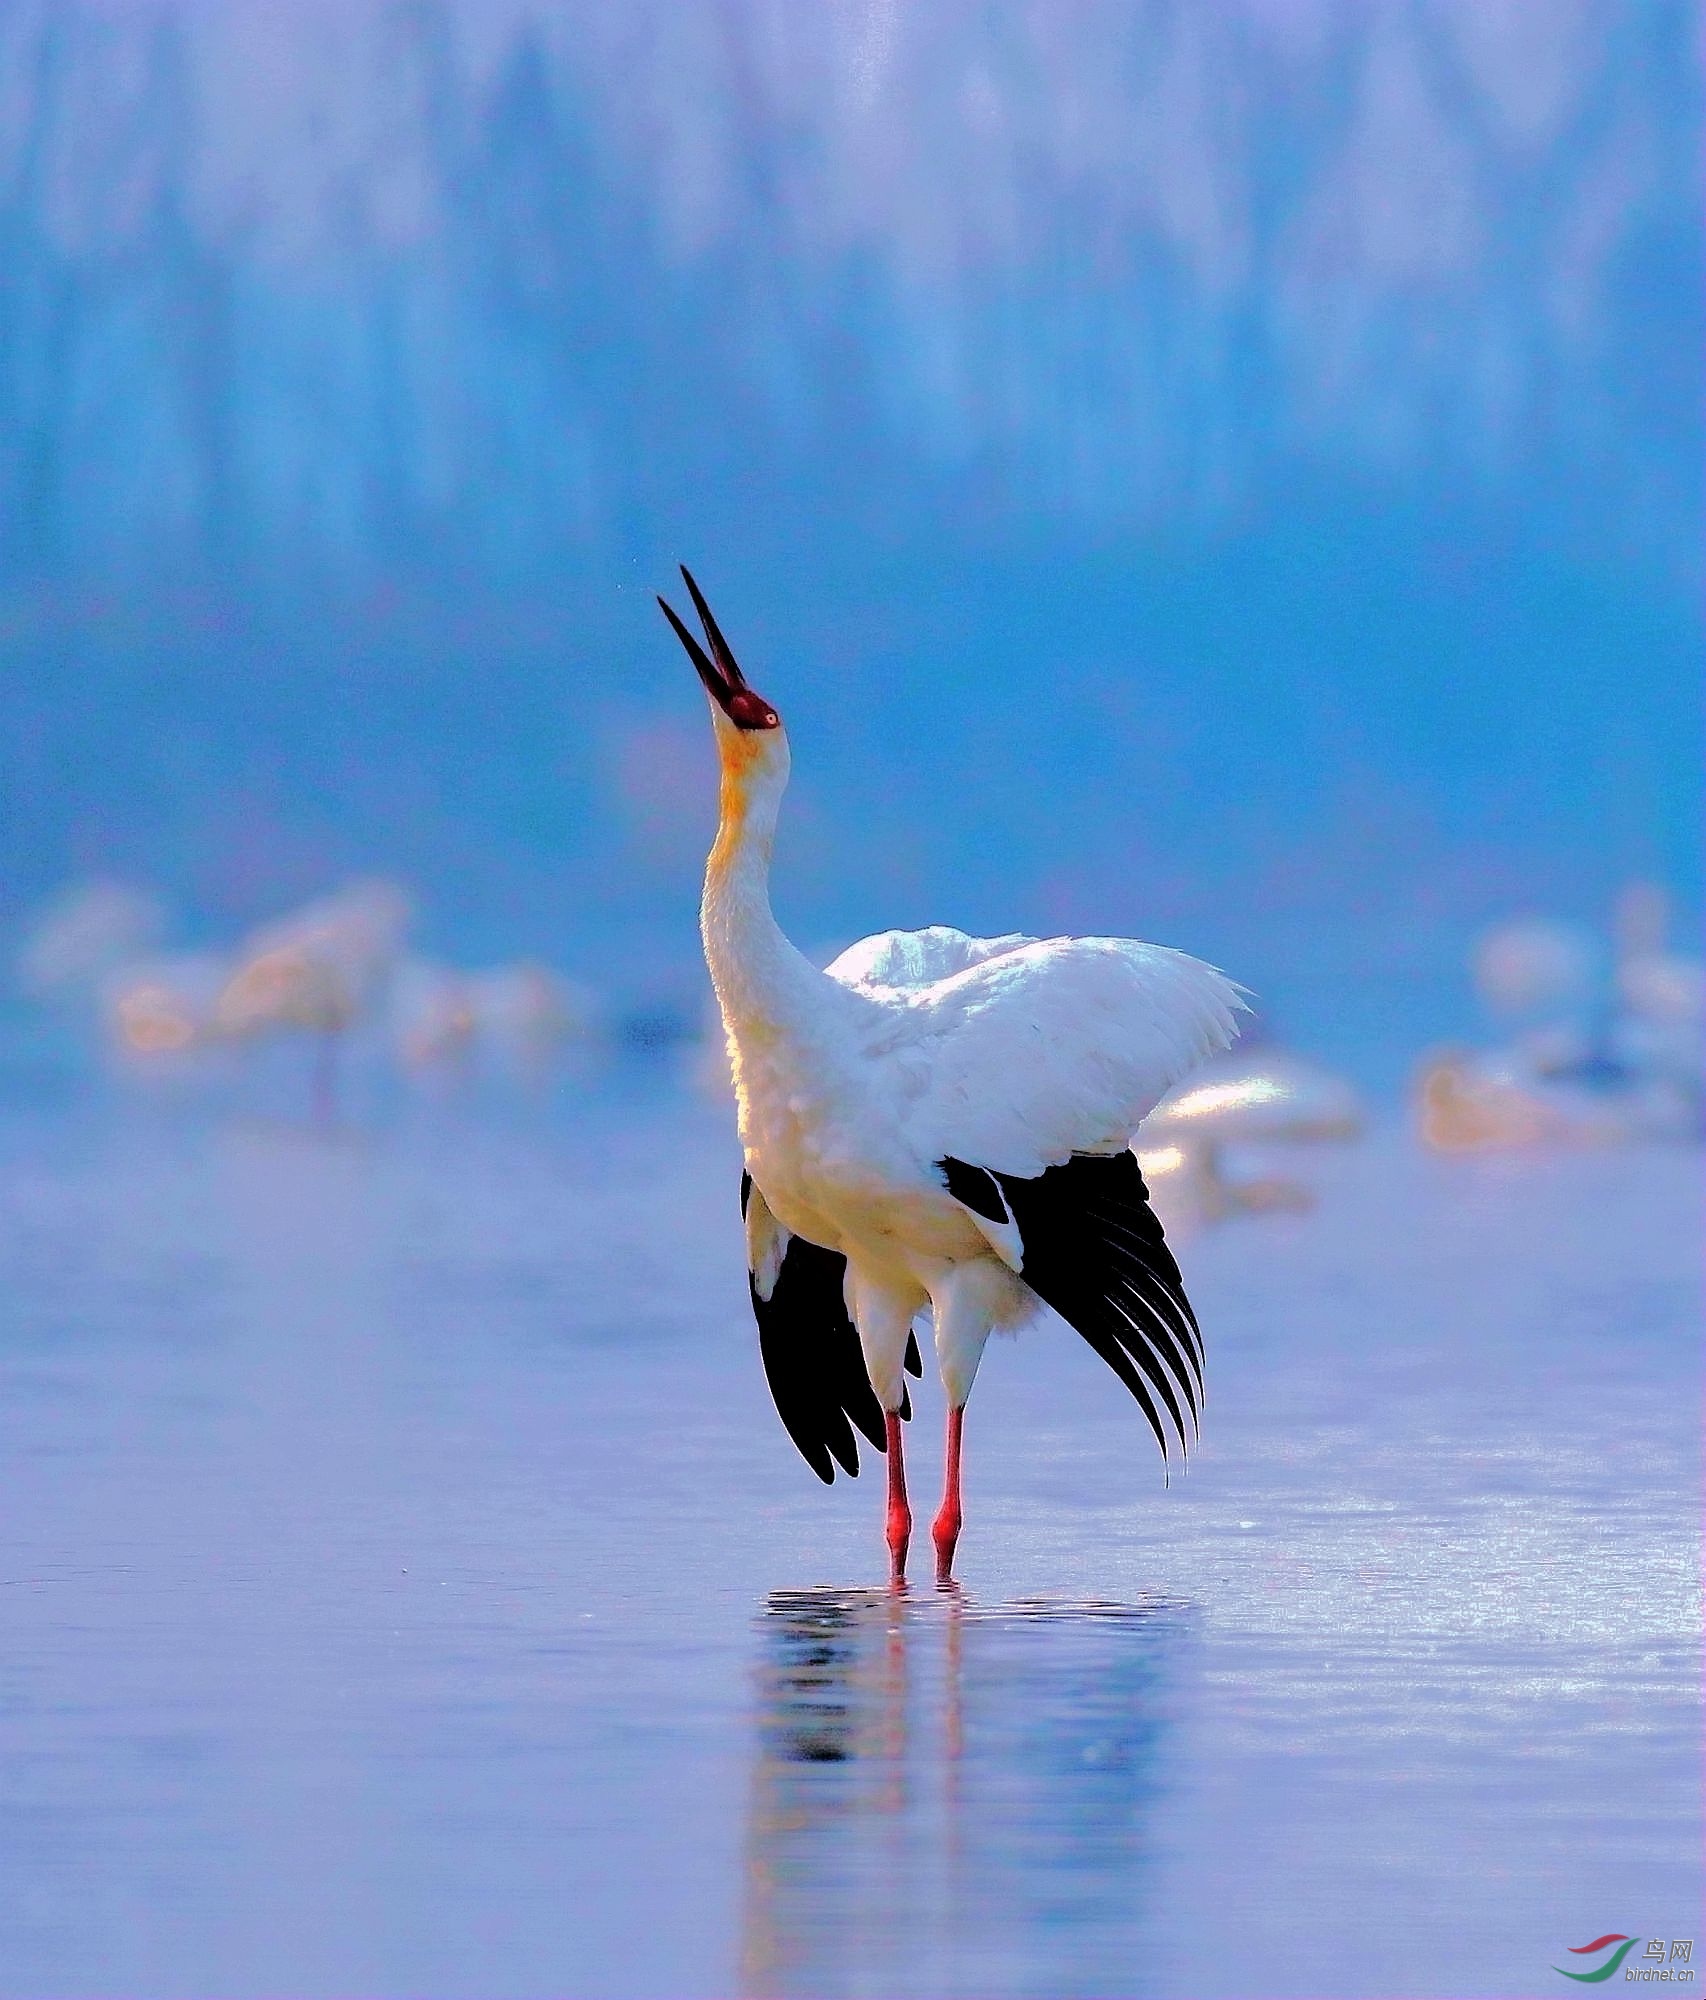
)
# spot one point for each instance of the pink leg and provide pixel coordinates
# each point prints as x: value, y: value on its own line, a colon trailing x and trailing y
x: 900, y: 1514
x: 946, y: 1532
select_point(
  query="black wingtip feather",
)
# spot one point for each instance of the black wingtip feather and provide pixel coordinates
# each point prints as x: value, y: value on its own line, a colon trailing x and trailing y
x: 1094, y: 1249
x: 976, y: 1188
x: 812, y: 1359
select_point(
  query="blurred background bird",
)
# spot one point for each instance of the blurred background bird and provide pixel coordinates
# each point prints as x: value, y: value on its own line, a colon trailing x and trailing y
x: 1602, y: 1037
x: 1260, y: 1098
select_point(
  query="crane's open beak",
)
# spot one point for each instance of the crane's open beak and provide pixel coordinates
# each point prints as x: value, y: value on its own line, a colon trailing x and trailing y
x: 724, y: 681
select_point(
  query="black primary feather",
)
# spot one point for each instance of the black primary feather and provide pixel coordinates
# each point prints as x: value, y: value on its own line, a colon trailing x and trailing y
x: 812, y: 1358
x: 976, y: 1187
x: 1093, y: 1248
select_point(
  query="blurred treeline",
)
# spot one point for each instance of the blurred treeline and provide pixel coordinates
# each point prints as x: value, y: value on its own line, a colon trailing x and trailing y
x: 1232, y: 467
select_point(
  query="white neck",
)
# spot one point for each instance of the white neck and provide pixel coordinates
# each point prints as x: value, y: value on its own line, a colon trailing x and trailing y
x: 765, y: 988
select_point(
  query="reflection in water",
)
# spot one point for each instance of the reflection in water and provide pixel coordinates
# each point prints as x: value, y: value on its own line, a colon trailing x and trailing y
x: 952, y: 1797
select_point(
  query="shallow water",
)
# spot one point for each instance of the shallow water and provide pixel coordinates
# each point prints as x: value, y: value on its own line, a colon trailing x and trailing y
x: 407, y: 1589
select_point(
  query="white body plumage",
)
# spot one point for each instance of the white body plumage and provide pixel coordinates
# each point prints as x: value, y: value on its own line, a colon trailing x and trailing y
x: 915, y: 1046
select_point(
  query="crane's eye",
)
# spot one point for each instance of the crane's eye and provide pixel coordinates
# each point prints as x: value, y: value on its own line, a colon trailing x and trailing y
x: 747, y: 710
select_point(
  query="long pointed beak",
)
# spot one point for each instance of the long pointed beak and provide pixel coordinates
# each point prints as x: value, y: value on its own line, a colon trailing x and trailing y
x: 720, y: 672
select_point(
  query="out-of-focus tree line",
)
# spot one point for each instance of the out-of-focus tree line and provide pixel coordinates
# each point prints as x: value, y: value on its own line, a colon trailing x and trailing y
x: 405, y: 283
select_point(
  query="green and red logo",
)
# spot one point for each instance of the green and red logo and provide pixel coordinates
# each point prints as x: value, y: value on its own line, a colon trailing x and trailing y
x: 1625, y: 1945
x: 1663, y: 1963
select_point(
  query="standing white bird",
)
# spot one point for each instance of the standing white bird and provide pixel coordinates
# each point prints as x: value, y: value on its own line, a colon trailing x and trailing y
x: 938, y: 1121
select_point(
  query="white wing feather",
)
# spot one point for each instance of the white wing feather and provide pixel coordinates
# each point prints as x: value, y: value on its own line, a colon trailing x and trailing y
x: 766, y: 1244
x: 908, y: 960
x: 1013, y: 1054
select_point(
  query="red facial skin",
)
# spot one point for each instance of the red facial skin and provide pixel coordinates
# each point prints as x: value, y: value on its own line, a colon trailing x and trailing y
x: 747, y: 710
x: 723, y: 679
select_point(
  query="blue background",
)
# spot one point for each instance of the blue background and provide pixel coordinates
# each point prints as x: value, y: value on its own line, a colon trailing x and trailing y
x: 1224, y: 473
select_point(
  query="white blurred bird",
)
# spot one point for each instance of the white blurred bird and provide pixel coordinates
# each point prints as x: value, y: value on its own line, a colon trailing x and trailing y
x: 316, y: 972
x: 1261, y: 1098
x: 163, y: 1007
x: 938, y: 1121
x: 1586, y: 1062
x: 1659, y: 1028
x: 441, y: 1016
x: 1537, y: 968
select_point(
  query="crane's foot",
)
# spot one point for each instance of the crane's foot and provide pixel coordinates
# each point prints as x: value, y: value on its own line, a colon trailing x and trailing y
x: 946, y: 1535
x: 899, y: 1536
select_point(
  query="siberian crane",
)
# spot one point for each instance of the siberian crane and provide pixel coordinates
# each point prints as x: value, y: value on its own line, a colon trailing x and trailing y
x: 938, y: 1122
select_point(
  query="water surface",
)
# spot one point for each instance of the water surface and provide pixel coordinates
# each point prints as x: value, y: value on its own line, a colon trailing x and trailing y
x: 407, y: 1589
